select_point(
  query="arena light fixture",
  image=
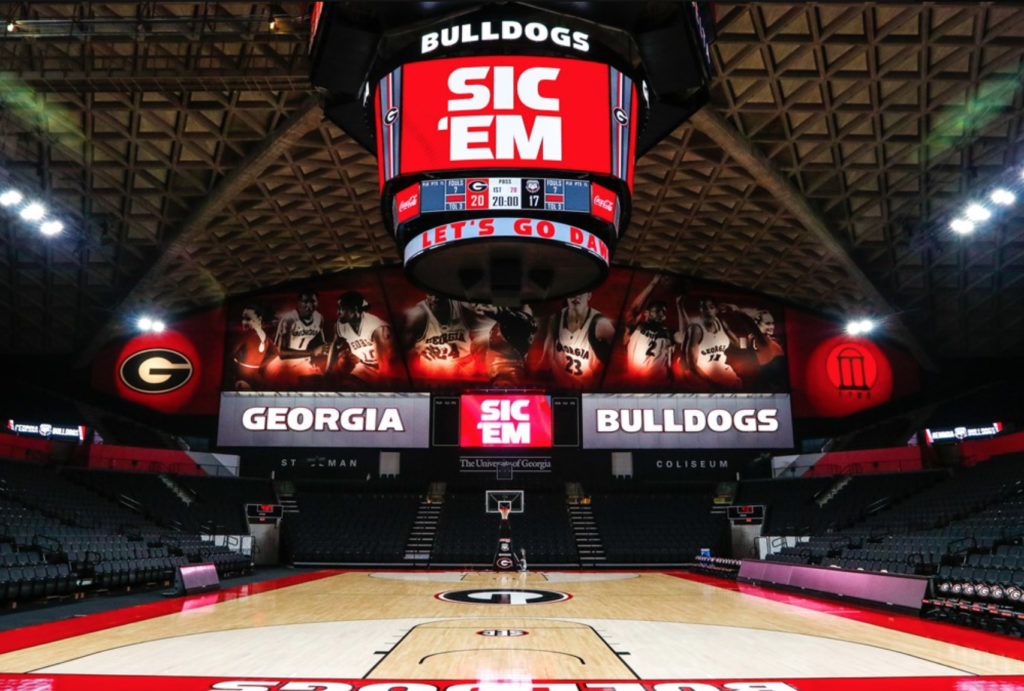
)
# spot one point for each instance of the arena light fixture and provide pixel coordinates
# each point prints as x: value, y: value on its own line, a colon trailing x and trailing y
x: 11, y: 197
x: 1002, y: 196
x: 33, y: 211
x: 859, y: 327
x: 150, y: 324
x: 51, y: 227
x: 977, y: 212
x: 962, y: 226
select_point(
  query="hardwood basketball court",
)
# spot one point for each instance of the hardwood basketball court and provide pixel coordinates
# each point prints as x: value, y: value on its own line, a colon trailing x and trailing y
x: 335, y: 630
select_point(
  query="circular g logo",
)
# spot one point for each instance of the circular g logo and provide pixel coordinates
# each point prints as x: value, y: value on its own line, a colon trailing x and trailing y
x: 620, y: 116
x: 500, y: 596
x: 390, y: 116
x: 156, y: 371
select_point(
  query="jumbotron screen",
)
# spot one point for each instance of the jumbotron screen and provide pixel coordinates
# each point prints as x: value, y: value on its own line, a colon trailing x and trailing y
x: 506, y: 111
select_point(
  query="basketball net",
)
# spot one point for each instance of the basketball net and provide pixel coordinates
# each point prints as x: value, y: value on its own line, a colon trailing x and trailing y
x: 504, y: 508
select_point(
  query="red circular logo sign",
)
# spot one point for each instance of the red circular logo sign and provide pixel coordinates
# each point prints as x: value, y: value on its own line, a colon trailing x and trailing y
x: 846, y: 375
x: 159, y: 371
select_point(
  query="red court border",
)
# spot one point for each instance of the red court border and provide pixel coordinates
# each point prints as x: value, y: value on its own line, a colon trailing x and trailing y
x: 17, y: 639
x: 935, y: 630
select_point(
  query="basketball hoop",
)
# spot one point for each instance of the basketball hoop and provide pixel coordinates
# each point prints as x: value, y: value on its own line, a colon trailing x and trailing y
x: 504, y: 508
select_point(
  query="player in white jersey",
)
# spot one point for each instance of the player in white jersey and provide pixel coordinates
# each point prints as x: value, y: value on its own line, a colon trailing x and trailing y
x: 704, y: 343
x: 368, y: 337
x: 439, y: 335
x: 649, y: 342
x: 578, y: 343
x: 300, y: 334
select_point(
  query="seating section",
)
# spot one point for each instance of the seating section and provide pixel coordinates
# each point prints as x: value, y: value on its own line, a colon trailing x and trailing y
x: 60, y: 538
x: 65, y: 532
x: 659, y: 527
x: 218, y: 503
x: 336, y: 525
x: 964, y: 528
x: 192, y: 503
x: 790, y: 502
x: 467, y: 535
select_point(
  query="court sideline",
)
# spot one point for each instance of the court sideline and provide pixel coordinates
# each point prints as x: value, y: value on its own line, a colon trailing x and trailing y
x: 360, y: 628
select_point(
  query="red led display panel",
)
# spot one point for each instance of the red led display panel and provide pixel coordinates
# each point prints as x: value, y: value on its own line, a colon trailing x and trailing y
x: 508, y: 112
x: 505, y: 420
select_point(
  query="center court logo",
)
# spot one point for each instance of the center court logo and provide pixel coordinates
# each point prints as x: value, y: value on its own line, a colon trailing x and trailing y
x: 499, y: 596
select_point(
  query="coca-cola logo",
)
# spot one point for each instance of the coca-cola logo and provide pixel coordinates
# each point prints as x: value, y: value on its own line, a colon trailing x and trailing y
x: 606, y: 204
x: 409, y: 203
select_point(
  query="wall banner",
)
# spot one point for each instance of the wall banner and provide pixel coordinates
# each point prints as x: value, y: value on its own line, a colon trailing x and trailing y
x: 665, y: 421
x: 383, y: 420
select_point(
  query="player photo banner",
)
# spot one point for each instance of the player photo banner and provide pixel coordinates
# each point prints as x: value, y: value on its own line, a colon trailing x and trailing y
x: 659, y: 421
x: 399, y: 420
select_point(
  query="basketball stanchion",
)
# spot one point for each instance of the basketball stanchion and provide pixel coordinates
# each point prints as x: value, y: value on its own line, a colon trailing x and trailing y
x: 505, y: 558
x: 504, y: 503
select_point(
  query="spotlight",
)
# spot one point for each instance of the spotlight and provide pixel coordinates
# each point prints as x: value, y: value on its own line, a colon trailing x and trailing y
x: 51, y: 227
x: 11, y: 27
x: 33, y: 212
x: 10, y: 198
x: 1002, y: 197
x: 962, y: 226
x: 157, y: 326
x: 977, y: 213
x: 859, y: 326
x: 144, y: 323
x: 272, y: 24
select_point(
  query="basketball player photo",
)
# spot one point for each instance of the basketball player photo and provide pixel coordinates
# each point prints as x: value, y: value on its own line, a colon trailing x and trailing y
x: 299, y: 337
x: 508, y: 342
x: 441, y: 340
x: 253, y: 351
x: 362, y: 345
x: 578, y: 343
x: 649, y: 342
x: 704, y: 340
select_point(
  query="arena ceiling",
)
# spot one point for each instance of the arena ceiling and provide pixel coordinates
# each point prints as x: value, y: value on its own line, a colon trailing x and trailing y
x: 187, y: 154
